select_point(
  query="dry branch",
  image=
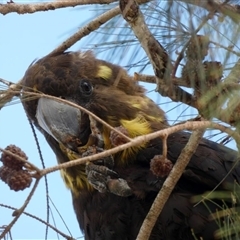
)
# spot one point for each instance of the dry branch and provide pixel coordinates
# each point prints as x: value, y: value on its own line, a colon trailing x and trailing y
x: 231, y: 10
x: 12, y: 91
x: 156, y: 53
x: 37, y: 7
x: 142, y: 139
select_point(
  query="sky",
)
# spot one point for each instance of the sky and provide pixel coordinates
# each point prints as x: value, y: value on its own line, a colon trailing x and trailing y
x: 23, y: 39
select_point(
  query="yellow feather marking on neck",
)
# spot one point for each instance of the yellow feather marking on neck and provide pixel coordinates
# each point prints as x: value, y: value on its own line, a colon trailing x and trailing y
x: 104, y: 72
x: 136, y: 127
x: 75, y: 177
x: 106, y: 140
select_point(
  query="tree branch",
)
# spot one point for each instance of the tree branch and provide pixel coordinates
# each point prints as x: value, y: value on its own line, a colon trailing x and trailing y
x: 142, y: 139
x: 156, y: 53
x: 93, y: 25
x: 38, y: 7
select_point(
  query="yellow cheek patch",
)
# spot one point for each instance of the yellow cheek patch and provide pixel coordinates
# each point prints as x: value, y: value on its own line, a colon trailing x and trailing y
x: 104, y: 72
x: 136, y: 127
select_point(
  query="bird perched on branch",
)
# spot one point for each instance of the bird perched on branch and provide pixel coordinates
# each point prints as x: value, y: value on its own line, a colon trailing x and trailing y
x: 112, y: 196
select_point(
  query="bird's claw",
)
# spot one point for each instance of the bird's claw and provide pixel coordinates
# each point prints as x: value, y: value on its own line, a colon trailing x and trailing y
x: 119, y: 187
x: 100, y: 169
x: 100, y: 178
x: 97, y: 176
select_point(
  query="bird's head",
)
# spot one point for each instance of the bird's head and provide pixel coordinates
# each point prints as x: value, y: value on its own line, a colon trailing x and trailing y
x: 102, y: 88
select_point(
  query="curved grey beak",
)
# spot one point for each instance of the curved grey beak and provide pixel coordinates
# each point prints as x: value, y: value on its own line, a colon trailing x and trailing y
x: 60, y: 120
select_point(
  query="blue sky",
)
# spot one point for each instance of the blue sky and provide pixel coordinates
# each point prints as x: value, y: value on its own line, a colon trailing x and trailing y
x: 23, y: 39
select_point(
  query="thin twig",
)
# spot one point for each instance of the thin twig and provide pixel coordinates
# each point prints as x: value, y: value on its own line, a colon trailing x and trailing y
x: 152, y: 79
x: 59, y: 214
x: 40, y: 220
x: 13, y: 90
x: 43, y: 165
x: 142, y: 139
x: 164, y: 143
x: 92, y: 26
x: 229, y: 49
x: 17, y: 213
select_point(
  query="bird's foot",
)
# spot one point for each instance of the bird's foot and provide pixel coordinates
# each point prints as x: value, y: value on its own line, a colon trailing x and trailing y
x: 102, y: 178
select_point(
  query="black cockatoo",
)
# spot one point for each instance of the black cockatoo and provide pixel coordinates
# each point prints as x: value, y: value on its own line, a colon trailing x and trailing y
x: 111, y: 94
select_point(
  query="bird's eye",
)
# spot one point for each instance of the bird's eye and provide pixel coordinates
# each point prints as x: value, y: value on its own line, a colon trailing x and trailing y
x: 86, y: 87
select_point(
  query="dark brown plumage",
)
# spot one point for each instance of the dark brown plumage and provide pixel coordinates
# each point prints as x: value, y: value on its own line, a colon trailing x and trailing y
x: 107, y: 91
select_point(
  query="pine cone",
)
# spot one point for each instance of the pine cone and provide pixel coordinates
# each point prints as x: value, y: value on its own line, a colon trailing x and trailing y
x: 213, y: 72
x: 19, y: 180
x: 160, y: 166
x: 4, y: 173
x: 197, y: 47
x: 11, y: 161
x: 193, y: 72
x: 202, y: 77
